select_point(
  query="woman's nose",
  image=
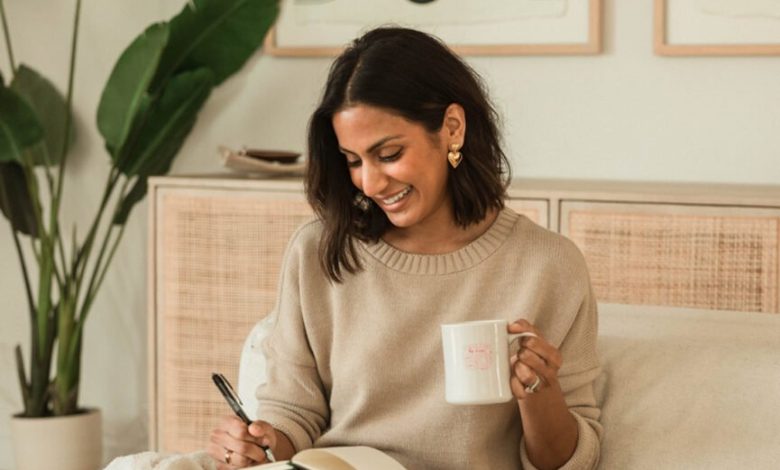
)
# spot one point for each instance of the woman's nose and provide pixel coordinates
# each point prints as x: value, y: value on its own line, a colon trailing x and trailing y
x: 374, y: 181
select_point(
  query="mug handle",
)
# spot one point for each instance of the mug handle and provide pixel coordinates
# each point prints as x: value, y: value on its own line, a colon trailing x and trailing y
x: 511, y: 338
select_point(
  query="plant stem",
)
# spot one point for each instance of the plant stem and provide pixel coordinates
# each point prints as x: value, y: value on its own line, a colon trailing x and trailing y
x: 54, y: 220
x: 7, y: 39
x: 75, y: 350
x: 69, y: 97
x: 47, y: 164
x: 80, y: 264
x: 66, y: 323
x: 72, y: 356
x: 99, y: 269
x: 93, y: 292
x: 74, y: 249
x: 22, y: 261
x: 22, y: 378
x: 46, y: 269
x: 34, y: 193
x: 25, y: 275
x: 55, y: 207
x: 66, y: 307
x: 95, y: 271
x: 24, y: 385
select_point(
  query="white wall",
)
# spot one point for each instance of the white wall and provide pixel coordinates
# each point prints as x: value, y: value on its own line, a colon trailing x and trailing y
x: 624, y: 114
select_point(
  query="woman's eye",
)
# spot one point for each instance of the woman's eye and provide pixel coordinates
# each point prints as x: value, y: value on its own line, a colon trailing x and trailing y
x: 392, y: 157
x: 353, y: 163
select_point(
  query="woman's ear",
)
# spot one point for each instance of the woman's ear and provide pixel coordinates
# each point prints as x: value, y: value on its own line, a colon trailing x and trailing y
x: 454, y: 125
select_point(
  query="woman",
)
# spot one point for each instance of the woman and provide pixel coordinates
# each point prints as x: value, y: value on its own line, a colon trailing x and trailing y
x: 408, y: 179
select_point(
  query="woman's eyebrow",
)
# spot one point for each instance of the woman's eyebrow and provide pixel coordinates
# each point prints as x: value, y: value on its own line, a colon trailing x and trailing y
x: 373, y: 146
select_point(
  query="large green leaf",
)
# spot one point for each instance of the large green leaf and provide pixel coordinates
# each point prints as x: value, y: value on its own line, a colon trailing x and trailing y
x: 50, y: 108
x: 135, y: 195
x: 15, y: 201
x: 167, y: 122
x: 218, y: 34
x: 129, y: 81
x: 162, y: 132
x: 19, y: 126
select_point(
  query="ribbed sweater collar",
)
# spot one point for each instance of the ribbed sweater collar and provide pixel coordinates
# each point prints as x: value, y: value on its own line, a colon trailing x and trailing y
x: 446, y: 263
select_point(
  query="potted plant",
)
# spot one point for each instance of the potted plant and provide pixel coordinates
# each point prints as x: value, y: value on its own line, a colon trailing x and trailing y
x: 147, y: 108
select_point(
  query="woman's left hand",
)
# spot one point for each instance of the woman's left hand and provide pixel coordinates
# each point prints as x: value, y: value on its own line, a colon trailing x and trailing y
x: 536, y: 364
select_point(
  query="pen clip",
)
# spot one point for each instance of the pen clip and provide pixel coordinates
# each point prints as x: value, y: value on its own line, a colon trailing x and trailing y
x: 223, y: 382
x: 230, y: 396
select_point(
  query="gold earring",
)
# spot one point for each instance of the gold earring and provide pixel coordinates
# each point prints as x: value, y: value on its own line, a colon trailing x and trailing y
x: 454, y: 156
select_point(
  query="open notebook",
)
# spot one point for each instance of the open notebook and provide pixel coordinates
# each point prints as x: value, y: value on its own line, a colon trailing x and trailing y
x: 336, y: 458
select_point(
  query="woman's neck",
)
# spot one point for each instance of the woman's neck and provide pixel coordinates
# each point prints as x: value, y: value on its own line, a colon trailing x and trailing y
x: 438, y: 237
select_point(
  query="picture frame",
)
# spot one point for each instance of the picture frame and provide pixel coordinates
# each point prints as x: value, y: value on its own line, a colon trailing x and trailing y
x: 511, y: 27
x: 716, y: 28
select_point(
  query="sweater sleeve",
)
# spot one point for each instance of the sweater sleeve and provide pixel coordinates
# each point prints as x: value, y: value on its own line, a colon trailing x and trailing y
x: 293, y: 399
x: 576, y: 376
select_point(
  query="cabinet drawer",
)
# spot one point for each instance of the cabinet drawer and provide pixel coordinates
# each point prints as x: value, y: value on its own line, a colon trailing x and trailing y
x: 216, y: 257
x: 679, y: 255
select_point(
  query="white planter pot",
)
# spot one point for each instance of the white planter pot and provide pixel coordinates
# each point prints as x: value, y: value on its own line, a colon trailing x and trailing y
x: 72, y: 442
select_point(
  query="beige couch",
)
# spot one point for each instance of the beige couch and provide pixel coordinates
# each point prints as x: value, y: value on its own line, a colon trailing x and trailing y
x: 689, y: 389
x: 680, y: 388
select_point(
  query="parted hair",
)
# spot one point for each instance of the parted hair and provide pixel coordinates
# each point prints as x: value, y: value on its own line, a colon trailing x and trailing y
x: 415, y: 76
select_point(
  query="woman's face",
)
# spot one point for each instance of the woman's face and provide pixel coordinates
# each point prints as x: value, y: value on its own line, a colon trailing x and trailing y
x: 397, y: 163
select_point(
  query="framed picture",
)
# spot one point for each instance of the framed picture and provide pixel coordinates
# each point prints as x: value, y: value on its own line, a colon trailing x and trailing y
x: 470, y: 27
x: 717, y: 27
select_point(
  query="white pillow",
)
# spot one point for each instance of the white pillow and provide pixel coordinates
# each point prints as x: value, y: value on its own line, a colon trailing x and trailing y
x: 689, y: 389
x: 251, y: 365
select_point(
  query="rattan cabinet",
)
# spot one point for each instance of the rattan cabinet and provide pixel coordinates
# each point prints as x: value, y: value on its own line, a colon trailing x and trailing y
x: 215, y: 249
x: 704, y: 256
x: 216, y: 244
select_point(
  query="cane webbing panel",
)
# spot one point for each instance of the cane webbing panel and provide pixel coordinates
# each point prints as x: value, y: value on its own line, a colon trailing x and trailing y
x: 679, y: 256
x: 535, y: 210
x: 218, y: 260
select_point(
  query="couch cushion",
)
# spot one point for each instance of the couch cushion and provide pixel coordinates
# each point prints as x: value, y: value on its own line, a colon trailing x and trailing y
x: 689, y: 389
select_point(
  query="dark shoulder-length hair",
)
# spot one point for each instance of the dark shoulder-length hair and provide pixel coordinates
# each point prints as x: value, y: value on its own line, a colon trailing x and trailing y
x: 415, y: 76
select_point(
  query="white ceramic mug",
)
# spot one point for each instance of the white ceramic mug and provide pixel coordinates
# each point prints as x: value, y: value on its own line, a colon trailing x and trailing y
x: 476, y: 361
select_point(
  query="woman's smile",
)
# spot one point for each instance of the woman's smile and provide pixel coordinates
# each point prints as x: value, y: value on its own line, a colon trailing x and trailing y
x: 391, y: 203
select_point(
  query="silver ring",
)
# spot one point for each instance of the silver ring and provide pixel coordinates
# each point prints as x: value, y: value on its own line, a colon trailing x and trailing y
x: 534, y: 386
x: 228, y: 454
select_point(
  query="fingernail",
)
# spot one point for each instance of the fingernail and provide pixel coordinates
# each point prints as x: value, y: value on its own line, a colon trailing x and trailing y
x: 265, y: 442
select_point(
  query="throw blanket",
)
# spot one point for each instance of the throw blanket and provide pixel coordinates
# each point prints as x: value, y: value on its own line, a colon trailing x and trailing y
x: 161, y: 461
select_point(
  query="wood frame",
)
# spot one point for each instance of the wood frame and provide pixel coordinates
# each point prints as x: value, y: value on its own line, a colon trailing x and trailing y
x: 592, y: 46
x: 662, y: 47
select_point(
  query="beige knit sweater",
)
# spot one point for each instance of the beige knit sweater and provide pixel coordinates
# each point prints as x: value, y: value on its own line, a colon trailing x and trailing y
x: 361, y: 363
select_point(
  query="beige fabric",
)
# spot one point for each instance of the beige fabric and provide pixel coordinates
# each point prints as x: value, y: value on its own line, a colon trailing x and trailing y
x: 689, y: 389
x: 360, y: 363
x: 163, y: 461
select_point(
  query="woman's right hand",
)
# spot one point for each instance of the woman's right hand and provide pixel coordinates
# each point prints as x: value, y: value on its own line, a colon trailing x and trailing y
x: 233, y: 444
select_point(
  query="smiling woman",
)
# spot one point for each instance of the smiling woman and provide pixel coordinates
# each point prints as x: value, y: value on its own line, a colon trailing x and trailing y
x: 408, y: 179
x: 403, y: 172
x: 399, y: 91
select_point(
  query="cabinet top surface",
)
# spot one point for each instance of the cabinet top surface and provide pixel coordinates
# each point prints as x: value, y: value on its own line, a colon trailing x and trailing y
x: 589, y: 190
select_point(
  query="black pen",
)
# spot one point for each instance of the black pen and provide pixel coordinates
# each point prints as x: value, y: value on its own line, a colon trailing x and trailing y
x: 235, y: 403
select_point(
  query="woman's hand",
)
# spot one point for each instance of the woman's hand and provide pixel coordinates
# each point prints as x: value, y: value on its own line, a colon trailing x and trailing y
x: 233, y: 444
x: 536, y: 364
